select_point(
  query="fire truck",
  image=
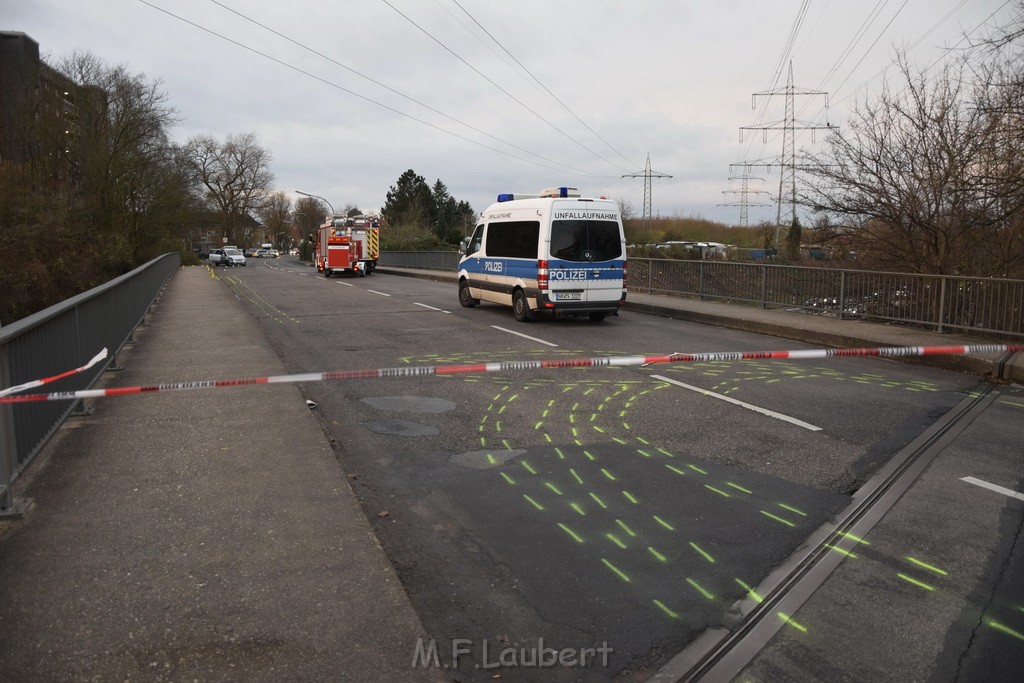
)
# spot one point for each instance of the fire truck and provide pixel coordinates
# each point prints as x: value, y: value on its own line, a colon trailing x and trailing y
x: 348, y: 245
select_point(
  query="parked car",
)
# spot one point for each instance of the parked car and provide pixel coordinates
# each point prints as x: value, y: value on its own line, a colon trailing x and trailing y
x: 217, y: 257
x: 228, y: 256
x: 235, y: 256
x: 262, y: 253
x: 251, y: 252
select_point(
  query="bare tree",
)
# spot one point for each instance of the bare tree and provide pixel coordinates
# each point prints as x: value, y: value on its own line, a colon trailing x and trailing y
x: 95, y: 191
x: 234, y: 176
x: 276, y: 216
x: 308, y: 214
x: 1000, y: 98
x: 910, y: 177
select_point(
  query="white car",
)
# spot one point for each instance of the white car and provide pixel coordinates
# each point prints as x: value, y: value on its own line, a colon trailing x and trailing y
x: 234, y: 256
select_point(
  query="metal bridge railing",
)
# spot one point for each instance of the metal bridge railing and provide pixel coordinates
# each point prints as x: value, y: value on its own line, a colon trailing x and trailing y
x: 428, y: 260
x: 57, y: 339
x: 989, y: 305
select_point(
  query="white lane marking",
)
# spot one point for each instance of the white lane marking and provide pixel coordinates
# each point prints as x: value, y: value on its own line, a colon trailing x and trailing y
x: 524, y: 336
x: 993, y: 487
x: 439, y: 310
x: 347, y: 284
x: 376, y: 292
x: 748, y: 406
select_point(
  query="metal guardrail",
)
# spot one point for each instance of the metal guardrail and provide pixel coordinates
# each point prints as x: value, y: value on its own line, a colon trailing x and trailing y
x: 57, y: 339
x: 988, y: 305
x: 429, y: 260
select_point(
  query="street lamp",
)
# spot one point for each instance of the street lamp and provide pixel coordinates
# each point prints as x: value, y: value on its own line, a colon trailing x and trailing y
x: 304, y: 250
x: 316, y: 196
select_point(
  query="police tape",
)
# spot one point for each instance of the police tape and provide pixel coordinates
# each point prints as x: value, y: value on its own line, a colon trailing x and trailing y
x: 47, y: 380
x: 503, y: 366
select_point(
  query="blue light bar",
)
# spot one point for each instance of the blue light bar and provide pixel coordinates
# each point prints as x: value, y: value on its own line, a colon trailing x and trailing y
x: 563, y: 192
x: 506, y: 197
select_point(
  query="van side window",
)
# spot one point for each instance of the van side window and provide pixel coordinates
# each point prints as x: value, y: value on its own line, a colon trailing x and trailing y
x: 585, y: 240
x: 513, y: 239
x: 475, y: 240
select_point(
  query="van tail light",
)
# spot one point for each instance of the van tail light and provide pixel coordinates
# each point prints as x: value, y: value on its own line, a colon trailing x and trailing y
x: 625, y: 275
x: 542, y: 275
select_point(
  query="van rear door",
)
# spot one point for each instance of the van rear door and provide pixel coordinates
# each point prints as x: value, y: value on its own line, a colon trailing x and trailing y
x: 587, y: 255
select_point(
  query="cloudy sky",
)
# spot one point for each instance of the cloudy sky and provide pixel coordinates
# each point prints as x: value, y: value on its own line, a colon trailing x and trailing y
x: 508, y: 96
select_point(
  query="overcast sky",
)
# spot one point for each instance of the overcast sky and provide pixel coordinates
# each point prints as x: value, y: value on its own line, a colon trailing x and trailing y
x: 507, y: 96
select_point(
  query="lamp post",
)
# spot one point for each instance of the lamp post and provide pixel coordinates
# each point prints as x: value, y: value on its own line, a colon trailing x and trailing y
x: 305, y: 234
x: 316, y: 196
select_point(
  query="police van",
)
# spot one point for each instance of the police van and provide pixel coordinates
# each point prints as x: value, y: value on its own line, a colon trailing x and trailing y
x: 553, y: 252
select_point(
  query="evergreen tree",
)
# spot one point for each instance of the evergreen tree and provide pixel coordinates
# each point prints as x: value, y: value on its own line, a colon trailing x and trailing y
x: 408, y: 208
x: 793, y: 240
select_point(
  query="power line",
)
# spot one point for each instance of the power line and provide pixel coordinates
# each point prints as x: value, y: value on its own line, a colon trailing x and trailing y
x: 355, y: 94
x: 913, y: 45
x: 537, y: 80
x: 392, y: 90
x: 489, y: 80
x: 776, y: 72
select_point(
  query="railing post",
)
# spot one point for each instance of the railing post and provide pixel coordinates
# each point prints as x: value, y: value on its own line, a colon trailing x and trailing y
x: 764, y: 286
x: 700, y: 281
x: 942, y: 304
x: 842, y: 293
x: 9, y: 507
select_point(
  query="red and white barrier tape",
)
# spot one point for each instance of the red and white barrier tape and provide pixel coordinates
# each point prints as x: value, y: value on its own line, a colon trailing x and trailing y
x: 46, y: 380
x: 509, y: 366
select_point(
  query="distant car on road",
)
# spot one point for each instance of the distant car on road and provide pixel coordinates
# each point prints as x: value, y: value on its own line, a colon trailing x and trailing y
x: 262, y: 253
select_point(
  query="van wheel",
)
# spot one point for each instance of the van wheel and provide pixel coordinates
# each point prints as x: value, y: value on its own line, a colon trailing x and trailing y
x: 521, y: 307
x: 327, y: 272
x: 596, y: 316
x: 465, y: 297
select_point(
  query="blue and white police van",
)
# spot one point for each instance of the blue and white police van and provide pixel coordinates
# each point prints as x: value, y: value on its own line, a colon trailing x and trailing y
x: 554, y: 252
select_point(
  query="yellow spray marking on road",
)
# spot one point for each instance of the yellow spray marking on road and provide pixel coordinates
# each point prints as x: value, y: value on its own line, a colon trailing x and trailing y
x: 664, y: 609
x: 700, y: 589
x: 777, y: 519
x: 618, y: 572
x: 789, y: 620
x: 911, y: 580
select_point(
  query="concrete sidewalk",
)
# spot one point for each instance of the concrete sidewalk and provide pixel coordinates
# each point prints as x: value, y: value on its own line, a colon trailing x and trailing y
x: 819, y: 330
x: 204, y: 536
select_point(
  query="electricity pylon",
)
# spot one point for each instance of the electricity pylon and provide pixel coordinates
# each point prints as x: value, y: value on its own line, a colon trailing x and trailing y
x: 744, y: 192
x: 647, y: 175
x: 788, y: 125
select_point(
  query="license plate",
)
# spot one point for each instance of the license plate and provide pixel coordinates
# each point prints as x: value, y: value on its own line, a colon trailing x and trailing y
x: 570, y: 296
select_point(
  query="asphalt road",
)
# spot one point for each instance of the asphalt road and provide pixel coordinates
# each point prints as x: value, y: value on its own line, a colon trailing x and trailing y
x: 622, y: 506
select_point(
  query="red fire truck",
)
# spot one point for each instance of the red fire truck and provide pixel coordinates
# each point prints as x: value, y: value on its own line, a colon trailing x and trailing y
x: 348, y: 246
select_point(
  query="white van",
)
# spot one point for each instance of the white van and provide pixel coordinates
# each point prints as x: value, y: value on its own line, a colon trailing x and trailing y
x: 551, y: 252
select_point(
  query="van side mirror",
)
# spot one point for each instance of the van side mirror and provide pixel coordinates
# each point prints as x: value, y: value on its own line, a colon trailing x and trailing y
x: 463, y: 246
